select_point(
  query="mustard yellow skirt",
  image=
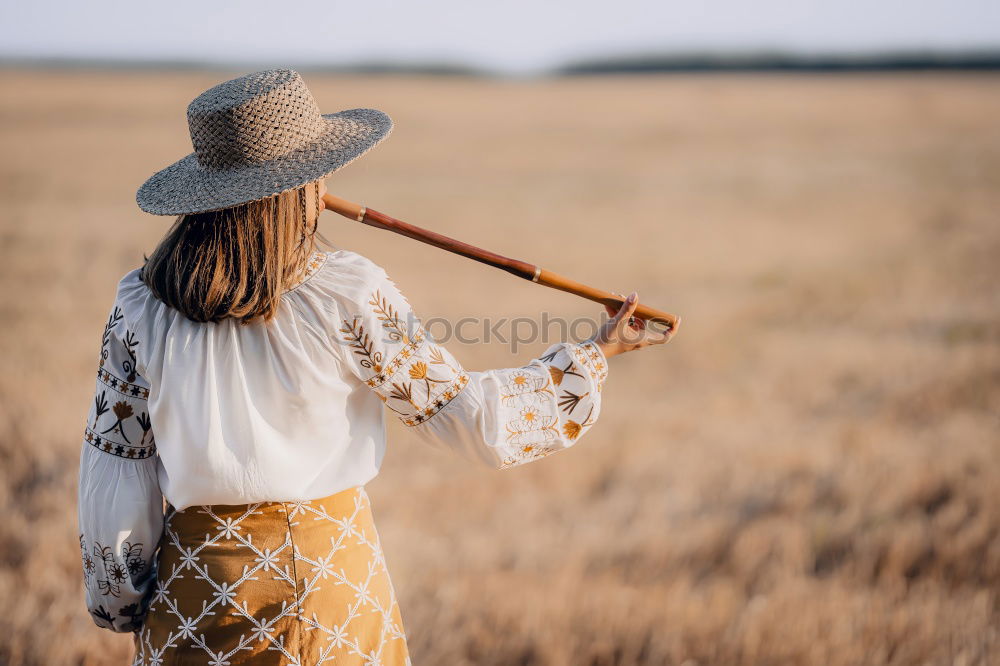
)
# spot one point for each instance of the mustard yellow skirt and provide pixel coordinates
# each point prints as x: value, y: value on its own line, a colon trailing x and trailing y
x: 273, y: 583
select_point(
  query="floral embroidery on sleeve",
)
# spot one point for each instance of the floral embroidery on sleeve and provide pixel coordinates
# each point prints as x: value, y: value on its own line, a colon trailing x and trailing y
x: 419, y: 378
x: 121, y: 395
x: 593, y: 360
x: 120, y: 508
x: 517, y: 414
x: 555, y: 407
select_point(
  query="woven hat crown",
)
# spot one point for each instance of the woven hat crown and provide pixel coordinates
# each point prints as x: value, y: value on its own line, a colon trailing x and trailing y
x: 257, y: 136
x: 252, y: 119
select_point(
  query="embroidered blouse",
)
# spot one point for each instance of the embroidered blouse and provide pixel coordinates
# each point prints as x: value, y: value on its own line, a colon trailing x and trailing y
x: 292, y: 409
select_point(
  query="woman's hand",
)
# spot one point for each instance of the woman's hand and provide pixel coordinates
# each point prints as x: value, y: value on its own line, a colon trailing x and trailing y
x: 623, y: 332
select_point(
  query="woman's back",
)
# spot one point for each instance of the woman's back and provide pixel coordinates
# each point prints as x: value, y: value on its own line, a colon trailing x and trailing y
x: 255, y: 412
x: 252, y: 402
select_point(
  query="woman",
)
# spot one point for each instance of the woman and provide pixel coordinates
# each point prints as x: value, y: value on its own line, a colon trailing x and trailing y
x: 242, y: 379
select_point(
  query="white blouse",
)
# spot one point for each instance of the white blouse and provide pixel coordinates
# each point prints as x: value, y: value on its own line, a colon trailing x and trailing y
x: 227, y: 413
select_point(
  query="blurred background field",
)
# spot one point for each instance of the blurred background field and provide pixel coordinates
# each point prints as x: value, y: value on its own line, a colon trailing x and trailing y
x: 807, y: 473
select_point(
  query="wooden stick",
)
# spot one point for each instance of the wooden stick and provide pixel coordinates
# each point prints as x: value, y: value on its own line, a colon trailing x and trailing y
x: 517, y: 267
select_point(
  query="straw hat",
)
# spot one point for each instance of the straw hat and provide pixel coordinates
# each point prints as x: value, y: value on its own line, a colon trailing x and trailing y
x: 257, y: 136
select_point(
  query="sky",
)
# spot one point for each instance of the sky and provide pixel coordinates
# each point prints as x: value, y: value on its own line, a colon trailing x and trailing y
x: 507, y: 36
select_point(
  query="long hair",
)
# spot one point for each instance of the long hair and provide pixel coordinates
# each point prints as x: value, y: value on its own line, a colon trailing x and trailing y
x: 235, y: 262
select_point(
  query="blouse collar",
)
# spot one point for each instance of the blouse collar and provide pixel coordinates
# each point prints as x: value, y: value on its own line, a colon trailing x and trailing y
x: 315, y: 262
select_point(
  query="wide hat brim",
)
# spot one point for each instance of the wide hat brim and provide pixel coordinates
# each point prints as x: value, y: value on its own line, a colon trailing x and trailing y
x: 187, y: 187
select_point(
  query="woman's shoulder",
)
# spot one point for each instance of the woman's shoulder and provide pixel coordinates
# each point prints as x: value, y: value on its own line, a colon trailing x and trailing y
x: 131, y: 288
x: 344, y: 261
x: 133, y: 299
x: 348, y: 273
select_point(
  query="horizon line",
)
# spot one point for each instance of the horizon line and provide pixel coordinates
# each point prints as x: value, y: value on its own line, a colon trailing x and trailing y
x: 758, y: 60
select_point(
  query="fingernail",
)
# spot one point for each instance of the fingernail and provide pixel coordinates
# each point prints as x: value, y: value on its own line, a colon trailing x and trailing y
x: 632, y: 297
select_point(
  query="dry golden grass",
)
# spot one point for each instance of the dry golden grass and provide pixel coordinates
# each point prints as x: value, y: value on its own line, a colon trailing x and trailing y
x: 808, y: 473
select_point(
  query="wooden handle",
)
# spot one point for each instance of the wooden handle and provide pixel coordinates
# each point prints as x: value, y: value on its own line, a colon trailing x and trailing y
x: 346, y: 208
x: 556, y: 281
x: 522, y: 269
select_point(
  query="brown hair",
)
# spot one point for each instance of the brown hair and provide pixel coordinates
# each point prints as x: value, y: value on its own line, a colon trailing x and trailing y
x: 235, y: 262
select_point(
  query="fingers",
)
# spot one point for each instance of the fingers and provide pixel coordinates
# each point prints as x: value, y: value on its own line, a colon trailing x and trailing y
x: 627, y: 308
x: 622, y: 322
x: 634, y: 332
x: 635, y: 323
x: 649, y: 339
x: 630, y: 331
x: 610, y: 309
x: 660, y: 337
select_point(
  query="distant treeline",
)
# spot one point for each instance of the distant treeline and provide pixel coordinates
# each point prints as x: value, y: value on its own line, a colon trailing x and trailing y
x: 763, y: 62
x: 633, y: 64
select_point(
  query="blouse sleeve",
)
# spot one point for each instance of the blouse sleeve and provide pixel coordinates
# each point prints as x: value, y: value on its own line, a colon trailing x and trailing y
x: 120, y: 504
x: 503, y: 417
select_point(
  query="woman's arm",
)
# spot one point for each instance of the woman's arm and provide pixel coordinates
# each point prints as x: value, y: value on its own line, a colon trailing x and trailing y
x: 503, y: 417
x: 524, y: 413
x: 119, y: 502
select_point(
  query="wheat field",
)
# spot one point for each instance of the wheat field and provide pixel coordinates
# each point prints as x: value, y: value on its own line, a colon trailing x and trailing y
x: 809, y: 473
